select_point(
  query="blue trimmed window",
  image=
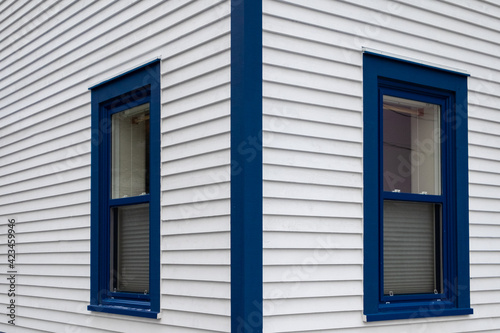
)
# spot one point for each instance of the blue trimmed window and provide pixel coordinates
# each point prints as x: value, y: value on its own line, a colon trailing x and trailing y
x: 416, y: 239
x: 125, y: 194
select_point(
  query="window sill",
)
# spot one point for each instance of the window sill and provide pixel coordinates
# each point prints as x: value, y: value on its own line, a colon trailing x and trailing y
x: 122, y: 310
x: 419, y: 313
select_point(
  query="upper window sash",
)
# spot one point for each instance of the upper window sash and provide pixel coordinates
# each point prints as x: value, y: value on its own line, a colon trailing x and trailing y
x: 419, y: 145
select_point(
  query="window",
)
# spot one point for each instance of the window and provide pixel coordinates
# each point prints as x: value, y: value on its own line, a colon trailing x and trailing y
x: 125, y: 194
x: 416, y: 244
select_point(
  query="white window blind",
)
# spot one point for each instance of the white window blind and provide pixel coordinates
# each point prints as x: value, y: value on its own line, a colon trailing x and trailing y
x: 410, y: 245
x: 132, y: 251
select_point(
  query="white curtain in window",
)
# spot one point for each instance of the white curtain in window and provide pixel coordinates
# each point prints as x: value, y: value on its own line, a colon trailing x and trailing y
x: 130, y: 152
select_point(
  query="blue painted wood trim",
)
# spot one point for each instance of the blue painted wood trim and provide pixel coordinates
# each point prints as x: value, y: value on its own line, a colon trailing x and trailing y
x: 124, y: 311
x: 462, y: 188
x: 246, y: 166
x: 414, y: 63
x: 422, y: 313
x: 145, y: 75
x: 153, y: 70
x: 95, y: 294
x: 371, y: 193
x: 454, y: 84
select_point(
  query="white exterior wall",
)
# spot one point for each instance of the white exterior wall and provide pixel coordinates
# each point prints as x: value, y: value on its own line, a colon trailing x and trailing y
x: 313, y: 163
x: 50, y: 54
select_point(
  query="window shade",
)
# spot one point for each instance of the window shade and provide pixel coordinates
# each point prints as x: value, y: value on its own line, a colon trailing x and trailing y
x: 410, y: 265
x: 133, y: 248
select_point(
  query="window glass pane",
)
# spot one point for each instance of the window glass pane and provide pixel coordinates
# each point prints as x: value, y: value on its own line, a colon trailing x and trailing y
x: 130, y: 248
x: 411, y: 147
x: 412, y: 248
x: 130, y: 152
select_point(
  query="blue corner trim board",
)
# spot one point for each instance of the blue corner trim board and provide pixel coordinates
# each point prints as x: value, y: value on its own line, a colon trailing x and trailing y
x: 246, y: 166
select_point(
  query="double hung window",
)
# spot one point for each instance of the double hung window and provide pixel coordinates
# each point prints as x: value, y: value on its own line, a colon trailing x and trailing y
x: 125, y: 194
x: 416, y: 190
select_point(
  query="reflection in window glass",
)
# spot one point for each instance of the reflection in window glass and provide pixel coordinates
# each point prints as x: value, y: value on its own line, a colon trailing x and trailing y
x: 411, y: 146
x: 130, y: 152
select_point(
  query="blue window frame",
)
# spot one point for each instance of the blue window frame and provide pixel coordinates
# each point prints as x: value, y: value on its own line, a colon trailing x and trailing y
x: 416, y: 239
x: 125, y: 193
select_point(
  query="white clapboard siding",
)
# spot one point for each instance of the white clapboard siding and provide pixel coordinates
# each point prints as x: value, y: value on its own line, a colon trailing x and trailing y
x: 313, y: 140
x: 291, y: 256
x: 75, y: 133
x: 195, y: 170
x: 50, y: 54
x: 319, y: 225
x: 485, y: 297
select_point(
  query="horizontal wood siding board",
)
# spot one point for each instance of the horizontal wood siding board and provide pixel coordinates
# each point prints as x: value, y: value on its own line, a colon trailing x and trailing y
x: 347, y: 116
x: 43, y: 141
x: 297, y: 56
x: 197, y: 131
x: 314, y: 270
x: 293, y: 190
x: 44, y: 21
x: 35, y: 183
x: 323, y: 243
x: 119, y: 44
x: 314, y: 176
x: 207, y: 240
x: 210, y: 50
x: 201, y: 177
x: 346, y: 322
x: 50, y: 115
x: 197, y: 257
x: 218, y: 273
x: 202, y: 305
x: 292, y: 256
x: 333, y: 21
x: 312, y: 160
x: 177, y: 120
x: 200, y: 225
x: 310, y: 224
x: 195, y: 151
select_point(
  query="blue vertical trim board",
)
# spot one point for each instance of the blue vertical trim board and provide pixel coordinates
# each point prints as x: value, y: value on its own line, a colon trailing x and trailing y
x: 379, y: 72
x: 462, y: 198
x: 146, y: 76
x: 246, y: 166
